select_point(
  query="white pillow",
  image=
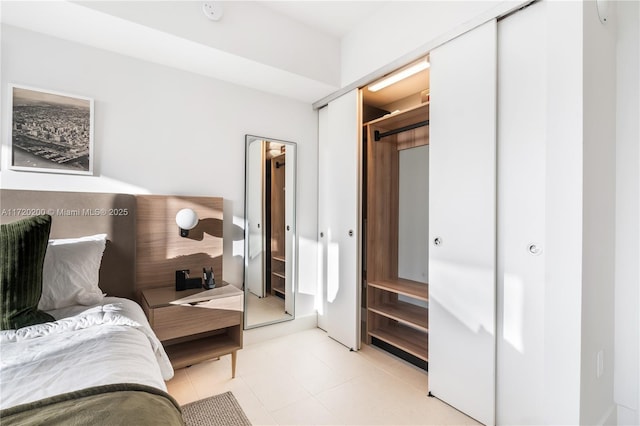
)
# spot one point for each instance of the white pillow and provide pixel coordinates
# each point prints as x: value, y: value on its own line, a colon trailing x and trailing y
x: 71, y: 272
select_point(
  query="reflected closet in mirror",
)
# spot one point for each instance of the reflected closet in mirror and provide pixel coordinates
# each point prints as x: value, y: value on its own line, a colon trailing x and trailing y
x: 269, y: 232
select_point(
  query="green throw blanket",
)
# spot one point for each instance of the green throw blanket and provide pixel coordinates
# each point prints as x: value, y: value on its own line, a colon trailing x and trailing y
x: 116, y: 404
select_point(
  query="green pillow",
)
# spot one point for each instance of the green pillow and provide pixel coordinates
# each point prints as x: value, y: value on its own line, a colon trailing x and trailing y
x: 23, y: 245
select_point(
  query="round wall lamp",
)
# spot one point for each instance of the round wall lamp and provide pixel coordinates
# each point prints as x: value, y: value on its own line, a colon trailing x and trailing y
x: 186, y: 219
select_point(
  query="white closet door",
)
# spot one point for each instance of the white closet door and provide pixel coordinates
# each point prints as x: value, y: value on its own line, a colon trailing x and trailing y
x: 462, y: 228
x: 339, y: 160
x: 291, y: 251
x: 255, y: 189
x: 323, y: 124
x: 522, y: 65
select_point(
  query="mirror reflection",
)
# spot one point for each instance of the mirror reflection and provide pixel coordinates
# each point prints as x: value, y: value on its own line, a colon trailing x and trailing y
x: 269, y: 261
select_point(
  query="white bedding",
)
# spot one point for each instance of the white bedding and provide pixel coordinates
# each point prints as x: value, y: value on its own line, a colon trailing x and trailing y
x: 86, y: 346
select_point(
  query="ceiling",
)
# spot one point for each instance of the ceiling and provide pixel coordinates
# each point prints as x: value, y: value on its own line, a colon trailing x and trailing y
x: 83, y: 23
x: 335, y: 18
x: 116, y: 27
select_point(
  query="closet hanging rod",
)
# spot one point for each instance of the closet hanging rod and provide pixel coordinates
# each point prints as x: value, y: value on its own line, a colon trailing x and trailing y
x: 377, y: 135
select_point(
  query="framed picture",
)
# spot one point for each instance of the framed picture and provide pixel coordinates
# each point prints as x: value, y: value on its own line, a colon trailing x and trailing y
x: 50, y: 132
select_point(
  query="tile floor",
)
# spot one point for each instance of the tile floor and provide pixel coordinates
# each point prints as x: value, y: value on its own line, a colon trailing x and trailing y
x: 306, y: 378
x: 264, y: 310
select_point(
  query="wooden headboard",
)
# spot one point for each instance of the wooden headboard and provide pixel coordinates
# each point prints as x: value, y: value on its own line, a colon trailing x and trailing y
x: 144, y: 248
x: 77, y: 214
x: 161, y: 251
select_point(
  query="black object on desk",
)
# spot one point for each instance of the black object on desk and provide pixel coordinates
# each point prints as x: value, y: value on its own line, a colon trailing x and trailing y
x: 209, y: 280
x: 183, y: 282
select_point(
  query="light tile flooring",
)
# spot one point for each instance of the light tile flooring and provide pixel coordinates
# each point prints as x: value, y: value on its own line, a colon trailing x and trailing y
x: 264, y: 310
x: 307, y: 378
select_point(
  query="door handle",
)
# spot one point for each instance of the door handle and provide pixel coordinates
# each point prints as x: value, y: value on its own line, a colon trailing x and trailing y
x: 534, y: 249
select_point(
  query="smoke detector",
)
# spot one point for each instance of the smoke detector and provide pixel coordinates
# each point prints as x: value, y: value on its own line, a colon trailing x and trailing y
x: 213, y: 10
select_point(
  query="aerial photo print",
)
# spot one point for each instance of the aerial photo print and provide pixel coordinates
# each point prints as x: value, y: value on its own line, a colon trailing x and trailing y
x: 51, y: 132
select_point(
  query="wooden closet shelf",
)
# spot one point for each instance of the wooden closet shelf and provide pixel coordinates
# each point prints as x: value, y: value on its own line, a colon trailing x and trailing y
x: 409, y: 288
x: 279, y: 275
x: 403, y: 312
x: 405, y: 338
x: 279, y: 258
x: 401, y: 119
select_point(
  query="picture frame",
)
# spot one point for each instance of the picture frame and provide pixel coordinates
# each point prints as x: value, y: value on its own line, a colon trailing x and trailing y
x: 50, y: 132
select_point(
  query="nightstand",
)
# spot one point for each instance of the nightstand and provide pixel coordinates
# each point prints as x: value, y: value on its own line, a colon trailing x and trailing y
x: 199, y: 325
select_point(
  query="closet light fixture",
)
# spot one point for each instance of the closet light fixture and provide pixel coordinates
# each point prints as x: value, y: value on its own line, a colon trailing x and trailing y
x: 400, y: 75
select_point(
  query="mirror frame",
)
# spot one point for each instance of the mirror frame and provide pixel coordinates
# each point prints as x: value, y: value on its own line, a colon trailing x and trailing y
x: 294, y: 237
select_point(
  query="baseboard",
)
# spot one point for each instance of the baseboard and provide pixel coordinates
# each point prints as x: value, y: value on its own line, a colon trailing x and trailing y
x: 272, y: 331
x: 627, y: 416
x: 609, y: 418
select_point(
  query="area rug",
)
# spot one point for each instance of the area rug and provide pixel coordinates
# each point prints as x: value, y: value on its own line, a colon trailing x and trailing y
x: 217, y: 410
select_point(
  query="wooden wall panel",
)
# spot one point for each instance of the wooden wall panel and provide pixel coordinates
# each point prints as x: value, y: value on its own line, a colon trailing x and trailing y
x: 413, y: 138
x: 382, y: 207
x: 278, y: 168
x: 160, y: 249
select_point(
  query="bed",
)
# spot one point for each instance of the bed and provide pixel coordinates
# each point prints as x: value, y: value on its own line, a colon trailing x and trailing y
x: 76, y: 355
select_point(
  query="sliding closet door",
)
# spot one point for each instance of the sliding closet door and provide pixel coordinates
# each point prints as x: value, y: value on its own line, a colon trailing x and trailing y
x: 522, y: 135
x: 338, y: 219
x: 462, y: 202
x: 255, y: 280
x: 290, y: 172
x: 323, y: 125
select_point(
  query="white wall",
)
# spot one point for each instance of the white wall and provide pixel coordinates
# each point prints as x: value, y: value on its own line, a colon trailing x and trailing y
x: 400, y: 28
x: 163, y: 131
x: 413, y: 217
x: 413, y: 214
x: 599, y: 189
x: 627, y: 246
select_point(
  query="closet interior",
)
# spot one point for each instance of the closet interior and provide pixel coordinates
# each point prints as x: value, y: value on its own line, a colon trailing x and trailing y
x: 275, y: 212
x: 395, y: 209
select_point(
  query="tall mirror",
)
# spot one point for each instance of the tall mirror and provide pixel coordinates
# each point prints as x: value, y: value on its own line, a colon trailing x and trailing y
x: 269, y: 231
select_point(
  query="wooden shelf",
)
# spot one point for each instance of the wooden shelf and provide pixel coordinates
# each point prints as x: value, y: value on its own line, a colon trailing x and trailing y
x: 396, y: 322
x: 404, y: 312
x: 402, y: 118
x: 409, y: 288
x: 397, y: 315
x: 191, y: 352
x: 277, y: 283
x: 405, y: 338
x: 278, y: 288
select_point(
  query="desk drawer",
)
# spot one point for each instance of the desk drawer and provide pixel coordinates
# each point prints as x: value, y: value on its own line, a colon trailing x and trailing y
x: 178, y: 321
